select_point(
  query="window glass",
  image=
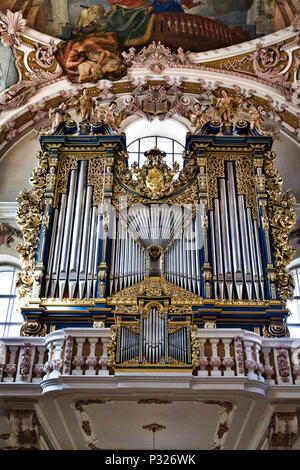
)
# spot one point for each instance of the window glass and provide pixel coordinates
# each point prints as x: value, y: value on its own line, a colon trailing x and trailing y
x: 11, y: 319
x: 172, y: 148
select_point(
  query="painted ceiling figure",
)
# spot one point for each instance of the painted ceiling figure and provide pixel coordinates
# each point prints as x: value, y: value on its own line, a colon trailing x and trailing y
x: 92, y: 57
x: 94, y: 15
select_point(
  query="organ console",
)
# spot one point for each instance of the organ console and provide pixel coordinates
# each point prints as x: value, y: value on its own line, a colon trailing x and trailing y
x: 152, y: 251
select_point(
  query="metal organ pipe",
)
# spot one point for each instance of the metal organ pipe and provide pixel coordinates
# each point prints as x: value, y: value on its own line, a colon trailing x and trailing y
x: 259, y: 260
x: 245, y: 246
x: 51, y: 251
x: 127, y: 260
x: 235, y: 234
x: 58, y: 236
x: 219, y: 252
x: 77, y: 230
x: 153, y: 336
x: 91, y: 253
x: 253, y: 254
x: 213, y: 250
x: 225, y: 238
x: 85, y: 242
x: 65, y: 254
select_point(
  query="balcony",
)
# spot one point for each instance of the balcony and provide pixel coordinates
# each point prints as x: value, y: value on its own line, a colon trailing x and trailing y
x: 242, y: 393
x: 230, y: 356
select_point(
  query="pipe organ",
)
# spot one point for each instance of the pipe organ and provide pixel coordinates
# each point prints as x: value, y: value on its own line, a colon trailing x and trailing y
x: 235, y: 243
x: 152, y: 251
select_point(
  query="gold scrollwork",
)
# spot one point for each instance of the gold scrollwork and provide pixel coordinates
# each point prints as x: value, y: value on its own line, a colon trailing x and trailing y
x: 111, y: 346
x: 33, y: 328
x: 155, y: 288
x: 29, y: 219
x: 155, y: 180
x: 133, y: 327
x: 195, y: 347
x: 282, y: 219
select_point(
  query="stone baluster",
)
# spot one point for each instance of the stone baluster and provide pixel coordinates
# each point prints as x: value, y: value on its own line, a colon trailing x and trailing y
x: 282, y: 365
x: 92, y: 360
x: 228, y: 360
x: 78, y: 360
x: 38, y: 368
x: 268, y: 369
x: 250, y: 364
x: 103, y: 361
x: 260, y: 368
x: 215, y: 361
x: 203, y: 361
x: 54, y: 363
x: 296, y: 365
x: 11, y: 368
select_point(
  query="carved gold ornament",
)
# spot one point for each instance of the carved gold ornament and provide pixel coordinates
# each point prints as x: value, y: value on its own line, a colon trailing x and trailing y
x: 155, y: 180
x: 195, y: 347
x: 282, y: 219
x: 29, y: 219
x: 111, y: 346
x: 33, y: 328
x: 154, y: 288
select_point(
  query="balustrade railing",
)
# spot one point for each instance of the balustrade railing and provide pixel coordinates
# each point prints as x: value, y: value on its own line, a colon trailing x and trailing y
x: 83, y: 352
x: 173, y: 28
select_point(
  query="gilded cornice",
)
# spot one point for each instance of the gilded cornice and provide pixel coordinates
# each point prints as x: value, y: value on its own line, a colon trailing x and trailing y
x: 154, y: 288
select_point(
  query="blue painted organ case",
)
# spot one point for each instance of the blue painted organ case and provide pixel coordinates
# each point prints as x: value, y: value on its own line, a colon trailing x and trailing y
x: 152, y: 251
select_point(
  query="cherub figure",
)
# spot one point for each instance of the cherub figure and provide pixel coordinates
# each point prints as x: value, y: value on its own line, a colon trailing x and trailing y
x: 256, y: 118
x: 58, y: 116
x: 99, y: 111
x: 199, y: 116
x: 113, y: 117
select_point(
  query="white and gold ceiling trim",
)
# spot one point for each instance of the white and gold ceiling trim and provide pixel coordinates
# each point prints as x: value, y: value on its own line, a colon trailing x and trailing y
x: 266, y: 70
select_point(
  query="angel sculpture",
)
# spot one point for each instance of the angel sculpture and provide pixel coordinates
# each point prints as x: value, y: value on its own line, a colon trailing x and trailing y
x: 199, y: 116
x: 256, y: 118
x: 84, y: 106
x: 58, y: 116
x: 228, y: 106
x: 99, y: 111
x: 112, y: 117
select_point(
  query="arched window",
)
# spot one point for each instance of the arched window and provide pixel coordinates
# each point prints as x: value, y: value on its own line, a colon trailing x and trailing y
x: 172, y: 148
x: 169, y: 136
x: 11, y: 319
x: 293, y: 321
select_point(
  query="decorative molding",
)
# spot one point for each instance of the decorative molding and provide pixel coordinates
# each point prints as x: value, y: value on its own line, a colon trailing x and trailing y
x: 283, y: 426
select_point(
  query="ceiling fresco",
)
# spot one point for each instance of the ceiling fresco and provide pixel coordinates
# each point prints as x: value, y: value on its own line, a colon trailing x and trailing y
x: 257, y: 17
x: 95, y: 35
